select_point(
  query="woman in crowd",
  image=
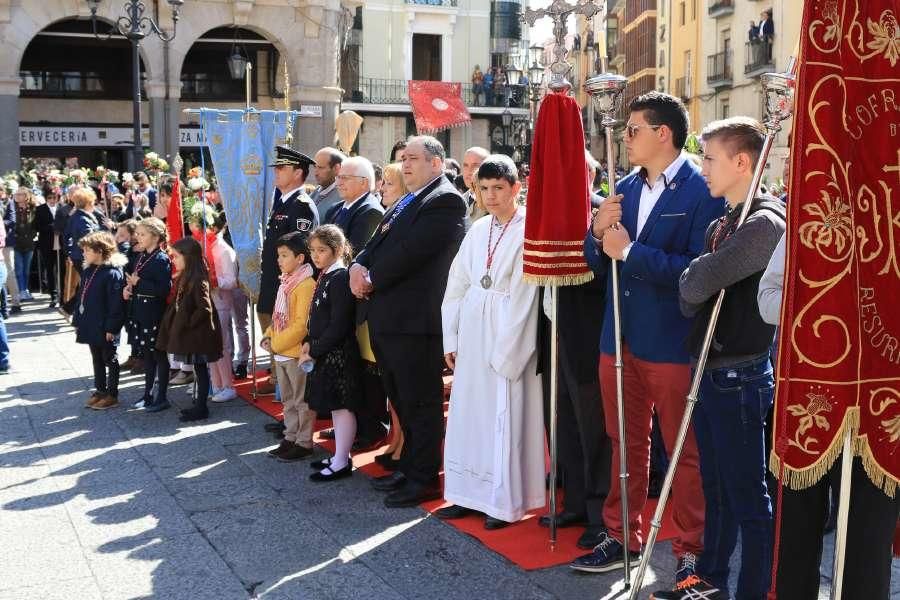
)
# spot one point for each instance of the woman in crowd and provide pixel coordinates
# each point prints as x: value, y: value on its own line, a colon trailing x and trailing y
x: 26, y: 232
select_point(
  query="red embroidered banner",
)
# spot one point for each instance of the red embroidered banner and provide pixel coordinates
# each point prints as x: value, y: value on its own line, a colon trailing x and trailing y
x: 437, y: 105
x: 839, y: 355
x: 559, y: 210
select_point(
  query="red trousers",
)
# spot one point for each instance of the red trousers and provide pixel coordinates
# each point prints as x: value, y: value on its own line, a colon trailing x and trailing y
x: 665, y: 386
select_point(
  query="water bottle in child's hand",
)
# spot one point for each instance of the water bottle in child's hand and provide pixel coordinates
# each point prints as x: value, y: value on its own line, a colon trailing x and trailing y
x: 308, y: 364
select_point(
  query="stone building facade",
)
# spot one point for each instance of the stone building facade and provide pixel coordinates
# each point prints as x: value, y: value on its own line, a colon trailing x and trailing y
x: 66, y: 101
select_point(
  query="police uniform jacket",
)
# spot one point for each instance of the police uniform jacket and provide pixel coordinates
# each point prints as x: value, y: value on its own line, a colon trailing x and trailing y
x: 297, y: 212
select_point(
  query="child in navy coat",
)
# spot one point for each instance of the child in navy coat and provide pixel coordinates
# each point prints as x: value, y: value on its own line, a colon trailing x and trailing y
x: 332, y: 349
x: 148, y: 282
x: 100, y: 314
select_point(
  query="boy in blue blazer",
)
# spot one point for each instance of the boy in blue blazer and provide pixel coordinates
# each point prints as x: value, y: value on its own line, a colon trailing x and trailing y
x: 662, y: 210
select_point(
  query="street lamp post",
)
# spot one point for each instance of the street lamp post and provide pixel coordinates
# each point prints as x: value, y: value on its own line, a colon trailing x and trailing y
x: 135, y: 27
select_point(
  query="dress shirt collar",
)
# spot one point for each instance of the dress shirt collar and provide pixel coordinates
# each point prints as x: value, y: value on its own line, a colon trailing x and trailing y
x: 668, y: 173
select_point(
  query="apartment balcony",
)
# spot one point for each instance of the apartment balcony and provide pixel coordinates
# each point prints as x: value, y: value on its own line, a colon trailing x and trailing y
x: 759, y: 58
x: 391, y: 95
x: 719, y: 69
x: 683, y: 88
x: 721, y: 8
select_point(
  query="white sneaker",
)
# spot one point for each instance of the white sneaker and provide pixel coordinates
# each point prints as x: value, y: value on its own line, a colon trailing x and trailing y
x: 26, y: 295
x: 225, y: 395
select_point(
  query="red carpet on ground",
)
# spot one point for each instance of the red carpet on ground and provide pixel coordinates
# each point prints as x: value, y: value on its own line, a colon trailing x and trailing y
x: 525, y: 543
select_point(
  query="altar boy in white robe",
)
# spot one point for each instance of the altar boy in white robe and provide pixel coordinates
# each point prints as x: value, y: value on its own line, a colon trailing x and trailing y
x: 494, y: 448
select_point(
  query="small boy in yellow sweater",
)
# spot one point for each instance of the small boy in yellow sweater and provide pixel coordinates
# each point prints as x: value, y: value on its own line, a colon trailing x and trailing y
x: 283, y: 339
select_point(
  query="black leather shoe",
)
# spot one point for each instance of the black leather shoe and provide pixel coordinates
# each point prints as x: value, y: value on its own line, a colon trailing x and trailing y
x: 564, y: 519
x: 322, y: 476
x: 240, y: 371
x: 454, y: 511
x: 389, y: 483
x: 591, y: 537
x: 490, y: 523
x: 387, y: 462
x: 318, y: 465
x: 413, y: 494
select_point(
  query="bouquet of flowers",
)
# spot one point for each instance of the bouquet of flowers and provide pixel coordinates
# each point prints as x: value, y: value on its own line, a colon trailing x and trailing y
x: 201, y: 212
x: 75, y: 176
x: 153, y: 162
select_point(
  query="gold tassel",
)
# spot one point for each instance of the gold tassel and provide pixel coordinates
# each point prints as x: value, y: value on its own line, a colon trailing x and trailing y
x: 879, y: 477
x: 559, y: 280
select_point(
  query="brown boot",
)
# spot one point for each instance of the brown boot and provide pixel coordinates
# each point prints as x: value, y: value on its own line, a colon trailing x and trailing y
x: 94, y: 397
x: 104, y: 402
x: 128, y: 363
x: 137, y: 366
x: 265, y: 388
x: 283, y: 447
x: 295, y: 453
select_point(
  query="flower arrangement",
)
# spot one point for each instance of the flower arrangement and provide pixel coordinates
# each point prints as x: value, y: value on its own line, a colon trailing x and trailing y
x: 153, y: 162
x: 201, y: 212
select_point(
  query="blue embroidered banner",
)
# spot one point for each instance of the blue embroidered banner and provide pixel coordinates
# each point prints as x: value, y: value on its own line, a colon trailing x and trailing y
x: 242, y: 145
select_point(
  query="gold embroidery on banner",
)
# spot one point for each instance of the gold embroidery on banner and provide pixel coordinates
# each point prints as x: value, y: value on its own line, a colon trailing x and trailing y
x: 829, y: 234
x: 809, y: 415
x: 884, y: 41
x: 832, y: 26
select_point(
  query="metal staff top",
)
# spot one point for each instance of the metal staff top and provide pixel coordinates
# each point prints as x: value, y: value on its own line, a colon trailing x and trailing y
x: 559, y: 11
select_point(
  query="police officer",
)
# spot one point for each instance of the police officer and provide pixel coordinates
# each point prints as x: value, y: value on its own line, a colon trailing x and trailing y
x: 292, y: 210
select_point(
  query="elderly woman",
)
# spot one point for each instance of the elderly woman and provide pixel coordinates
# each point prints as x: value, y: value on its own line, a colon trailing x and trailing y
x: 26, y: 231
x: 82, y: 221
x: 393, y: 188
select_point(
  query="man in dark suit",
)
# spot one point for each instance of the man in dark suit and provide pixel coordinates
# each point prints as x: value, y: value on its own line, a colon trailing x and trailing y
x: 358, y: 216
x: 359, y: 212
x: 48, y: 245
x: 292, y: 210
x: 403, y: 273
x: 584, y: 448
x: 653, y: 228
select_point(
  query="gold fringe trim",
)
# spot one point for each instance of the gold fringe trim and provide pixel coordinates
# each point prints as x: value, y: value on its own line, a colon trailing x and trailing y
x: 558, y: 280
x: 877, y: 474
x: 579, y: 244
x: 571, y: 265
x: 800, y: 479
x: 573, y: 253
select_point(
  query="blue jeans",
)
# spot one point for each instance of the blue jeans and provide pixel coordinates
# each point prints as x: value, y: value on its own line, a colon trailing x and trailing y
x: 23, y: 266
x: 729, y: 423
x: 4, y: 342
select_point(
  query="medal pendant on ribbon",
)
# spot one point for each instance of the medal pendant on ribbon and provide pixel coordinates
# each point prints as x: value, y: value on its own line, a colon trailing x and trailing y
x: 486, y: 281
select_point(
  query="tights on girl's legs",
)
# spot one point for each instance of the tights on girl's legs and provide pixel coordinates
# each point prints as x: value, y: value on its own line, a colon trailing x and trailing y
x: 199, y: 409
x: 156, y: 364
x: 344, y: 432
x: 201, y: 376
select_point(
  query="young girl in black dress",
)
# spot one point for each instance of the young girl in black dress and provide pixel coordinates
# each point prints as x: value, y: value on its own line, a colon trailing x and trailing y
x: 190, y: 328
x: 149, y: 280
x: 333, y: 384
